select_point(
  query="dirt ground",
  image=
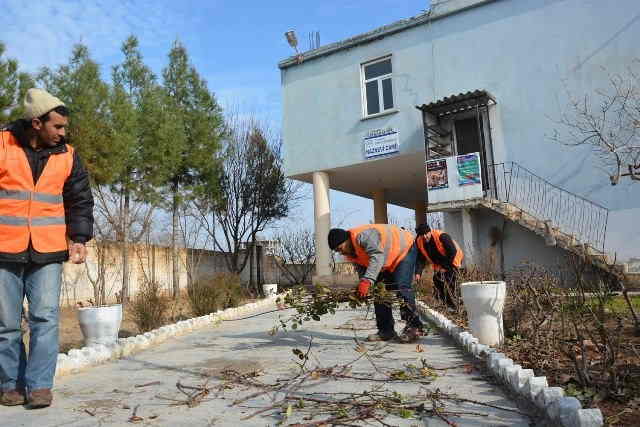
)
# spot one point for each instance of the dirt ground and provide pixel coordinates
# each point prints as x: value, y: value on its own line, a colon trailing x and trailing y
x: 622, y: 410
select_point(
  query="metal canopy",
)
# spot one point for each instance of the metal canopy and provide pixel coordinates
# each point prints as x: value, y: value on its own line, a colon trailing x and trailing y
x: 458, y: 103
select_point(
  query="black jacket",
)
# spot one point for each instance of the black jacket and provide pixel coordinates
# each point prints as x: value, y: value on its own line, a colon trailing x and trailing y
x: 445, y: 261
x: 76, y: 193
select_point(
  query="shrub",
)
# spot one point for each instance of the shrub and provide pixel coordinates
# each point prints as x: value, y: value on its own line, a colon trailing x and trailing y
x: 562, y: 317
x: 203, y: 297
x: 222, y: 291
x: 149, y: 307
x: 532, y: 303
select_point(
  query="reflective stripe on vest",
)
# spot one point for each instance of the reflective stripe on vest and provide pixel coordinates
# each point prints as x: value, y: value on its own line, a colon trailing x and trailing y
x: 394, y: 242
x: 421, y: 243
x: 26, y: 195
x: 28, y: 211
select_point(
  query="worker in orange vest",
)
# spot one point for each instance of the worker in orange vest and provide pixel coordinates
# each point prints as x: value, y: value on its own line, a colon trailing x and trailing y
x: 45, y: 201
x: 445, y: 256
x: 380, y: 250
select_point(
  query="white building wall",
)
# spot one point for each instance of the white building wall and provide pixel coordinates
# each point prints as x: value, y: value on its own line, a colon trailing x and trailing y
x: 525, y: 53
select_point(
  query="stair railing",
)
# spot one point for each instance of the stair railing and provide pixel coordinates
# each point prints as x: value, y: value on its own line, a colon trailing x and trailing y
x: 570, y: 213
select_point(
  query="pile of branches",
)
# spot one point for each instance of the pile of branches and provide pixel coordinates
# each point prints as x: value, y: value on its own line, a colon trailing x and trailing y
x: 293, y: 405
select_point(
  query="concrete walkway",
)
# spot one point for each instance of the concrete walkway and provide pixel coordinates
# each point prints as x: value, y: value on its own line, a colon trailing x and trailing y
x: 107, y: 395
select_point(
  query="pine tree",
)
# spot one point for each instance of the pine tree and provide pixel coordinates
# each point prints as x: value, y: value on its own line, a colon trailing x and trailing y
x: 202, y: 127
x: 13, y: 85
x: 142, y: 120
x: 81, y: 87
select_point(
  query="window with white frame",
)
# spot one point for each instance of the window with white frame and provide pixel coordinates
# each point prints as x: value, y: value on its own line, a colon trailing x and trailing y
x: 377, y: 87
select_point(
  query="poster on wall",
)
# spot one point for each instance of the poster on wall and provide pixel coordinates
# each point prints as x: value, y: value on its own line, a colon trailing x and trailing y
x: 437, y: 176
x: 468, y: 169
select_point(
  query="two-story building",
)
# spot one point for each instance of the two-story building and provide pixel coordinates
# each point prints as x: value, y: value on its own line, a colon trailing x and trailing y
x: 452, y: 111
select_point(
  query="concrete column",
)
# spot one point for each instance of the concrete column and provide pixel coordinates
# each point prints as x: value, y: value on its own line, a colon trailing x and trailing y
x: 470, y: 255
x: 322, y: 213
x: 421, y: 212
x: 380, y: 207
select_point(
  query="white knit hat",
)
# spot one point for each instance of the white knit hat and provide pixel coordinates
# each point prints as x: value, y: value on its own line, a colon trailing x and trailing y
x: 38, y: 102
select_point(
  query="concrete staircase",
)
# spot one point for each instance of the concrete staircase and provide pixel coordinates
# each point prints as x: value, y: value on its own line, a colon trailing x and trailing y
x: 554, y: 236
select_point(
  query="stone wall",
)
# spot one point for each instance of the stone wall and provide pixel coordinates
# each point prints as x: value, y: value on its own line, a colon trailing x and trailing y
x: 152, y: 262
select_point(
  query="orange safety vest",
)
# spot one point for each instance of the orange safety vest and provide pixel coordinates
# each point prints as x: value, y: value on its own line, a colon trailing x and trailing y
x: 394, y: 242
x: 31, y: 211
x: 421, y: 243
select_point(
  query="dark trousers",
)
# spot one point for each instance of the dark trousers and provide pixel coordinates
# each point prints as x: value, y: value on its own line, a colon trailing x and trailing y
x: 401, y: 278
x: 444, y: 285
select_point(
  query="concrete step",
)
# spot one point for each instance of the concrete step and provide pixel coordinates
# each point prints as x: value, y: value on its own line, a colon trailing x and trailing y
x: 553, y: 235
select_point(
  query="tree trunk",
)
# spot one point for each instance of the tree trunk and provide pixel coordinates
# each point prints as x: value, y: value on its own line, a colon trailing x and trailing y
x: 625, y: 294
x: 259, y: 278
x: 153, y: 263
x: 189, y: 253
x: 174, y: 232
x: 124, y: 292
x: 250, y: 249
x: 103, y: 292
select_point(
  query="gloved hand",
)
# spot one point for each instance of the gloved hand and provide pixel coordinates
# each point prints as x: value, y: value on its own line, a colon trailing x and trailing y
x: 363, y: 288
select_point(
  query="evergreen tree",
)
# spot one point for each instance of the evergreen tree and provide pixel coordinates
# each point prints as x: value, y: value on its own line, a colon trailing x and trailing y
x: 13, y: 85
x: 142, y: 120
x: 80, y: 86
x: 201, y: 125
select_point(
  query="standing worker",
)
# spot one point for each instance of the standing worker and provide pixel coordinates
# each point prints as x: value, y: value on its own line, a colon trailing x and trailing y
x: 444, y: 254
x: 45, y: 199
x: 386, y: 249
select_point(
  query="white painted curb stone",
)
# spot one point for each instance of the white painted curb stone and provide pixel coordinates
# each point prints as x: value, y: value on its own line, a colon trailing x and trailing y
x: 561, y: 410
x: 85, y: 357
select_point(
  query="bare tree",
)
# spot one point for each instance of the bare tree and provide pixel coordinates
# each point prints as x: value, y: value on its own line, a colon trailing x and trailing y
x: 608, y: 121
x: 253, y: 191
x: 434, y: 220
x: 122, y: 220
x: 101, y: 270
x: 295, y: 253
x: 71, y: 275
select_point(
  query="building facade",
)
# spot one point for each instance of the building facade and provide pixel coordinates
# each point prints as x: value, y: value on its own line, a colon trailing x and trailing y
x: 469, y: 93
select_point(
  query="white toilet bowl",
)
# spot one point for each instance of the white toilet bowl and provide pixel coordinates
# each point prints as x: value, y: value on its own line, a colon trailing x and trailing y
x: 100, y: 325
x: 484, y: 302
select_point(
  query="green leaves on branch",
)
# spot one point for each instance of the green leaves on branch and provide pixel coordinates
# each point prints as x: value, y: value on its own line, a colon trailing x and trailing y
x: 321, y: 300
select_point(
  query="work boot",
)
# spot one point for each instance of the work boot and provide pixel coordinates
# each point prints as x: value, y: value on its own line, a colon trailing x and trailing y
x: 410, y: 335
x: 382, y: 336
x: 40, y: 398
x: 12, y: 398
